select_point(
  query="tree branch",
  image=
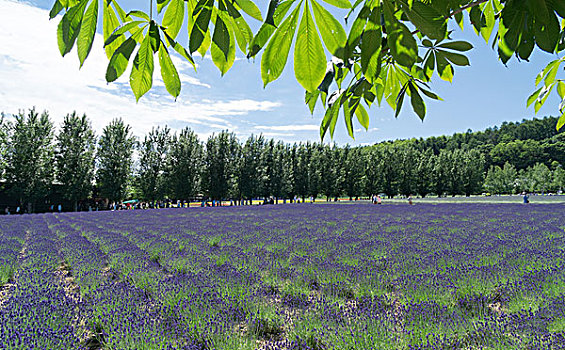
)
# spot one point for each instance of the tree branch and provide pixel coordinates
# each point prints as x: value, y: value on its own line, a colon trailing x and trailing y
x: 473, y: 4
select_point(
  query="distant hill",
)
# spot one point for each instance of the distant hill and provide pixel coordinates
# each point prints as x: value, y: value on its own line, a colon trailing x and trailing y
x: 522, y: 144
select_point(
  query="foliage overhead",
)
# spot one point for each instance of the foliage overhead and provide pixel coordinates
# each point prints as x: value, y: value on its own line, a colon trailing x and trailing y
x: 388, y: 50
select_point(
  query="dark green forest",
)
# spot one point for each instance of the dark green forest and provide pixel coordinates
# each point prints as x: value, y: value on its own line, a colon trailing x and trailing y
x: 512, y: 158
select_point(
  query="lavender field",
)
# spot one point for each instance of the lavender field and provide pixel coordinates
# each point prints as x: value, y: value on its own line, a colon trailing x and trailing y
x: 305, y: 276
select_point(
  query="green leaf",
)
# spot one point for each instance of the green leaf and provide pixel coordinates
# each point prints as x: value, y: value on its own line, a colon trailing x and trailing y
x: 205, y: 44
x: 355, y: 32
x: 403, y: 46
x: 371, y: 47
x: 174, y: 17
x: 456, y: 59
x: 544, y: 94
x: 69, y: 3
x: 342, y: 4
x: 328, y: 78
x: 380, y: 93
x: 250, y: 8
x: 417, y: 102
x: 331, y: 30
x: 139, y: 14
x: 558, y: 6
x: 276, y: 53
x: 547, y: 34
x: 270, y: 19
x: 123, y: 16
x: 110, y: 23
x: 477, y: 20
x: 56, y: 9
x: 309, y: 57
x: 121, y: 30
x: 266, y: 29
x: 200, y: 28
x: 489, y: 21
x: 239, y: 27
x: 539, y: 10
x: 551, y: 74
x: 526, y: 45
x: 430, y: 94
x: 87, y: 31
x: 459, y: 19
x: 69, y: 27
x: 560, y: 122
x: 551, y: 65
x: 533, y: 97
x: 348, y: 118
x: 430, y: 22
x: 310, y: 98
x: 223, y: 46
x: 335, y: 115
x: 444, y: 69
x: 362, y: 116
x: 154, y: 37
x: 330, y: 117
x: 119, y: 60
x: 141, y: 77
x: 429, y: 65
x: 161, y: 4
x: 457, y: 46
x: 180, y: 49
x: 169, y: 72
x: 561, y: 89
x: 401, y: 42
x: 399, y: 101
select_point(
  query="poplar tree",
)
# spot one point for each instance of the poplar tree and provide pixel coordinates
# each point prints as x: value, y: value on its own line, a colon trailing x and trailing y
x: 115, y: 162
x: 184, y: 165
x: 75, y: 157
x: 153, y: 153
x: 30, y: 157
x: 5, y: 128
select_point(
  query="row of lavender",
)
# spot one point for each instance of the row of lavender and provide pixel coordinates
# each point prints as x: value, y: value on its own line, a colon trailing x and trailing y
x: 318, y: 276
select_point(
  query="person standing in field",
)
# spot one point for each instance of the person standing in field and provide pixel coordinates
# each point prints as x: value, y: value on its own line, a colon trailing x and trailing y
x: 410, y: 199
x: 379, y: 200
x: 526, y: 198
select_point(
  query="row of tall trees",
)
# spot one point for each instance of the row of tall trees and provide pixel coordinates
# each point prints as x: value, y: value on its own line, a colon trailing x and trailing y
x: 34, y: 158
x: 224, y: 168
x: 178, y: 165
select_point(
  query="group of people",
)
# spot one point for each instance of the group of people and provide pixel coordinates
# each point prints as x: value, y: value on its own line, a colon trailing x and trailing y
x: 376, y: 199
x: 19, y: 210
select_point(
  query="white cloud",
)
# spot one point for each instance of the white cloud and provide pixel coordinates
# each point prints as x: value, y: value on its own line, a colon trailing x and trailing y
x: 368, y: 130
x: 33, y: 73
x: 307, y: 127
x: 277, y: 134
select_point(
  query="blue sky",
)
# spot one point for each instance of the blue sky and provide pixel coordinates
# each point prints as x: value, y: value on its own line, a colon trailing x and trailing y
x: 32, y: 73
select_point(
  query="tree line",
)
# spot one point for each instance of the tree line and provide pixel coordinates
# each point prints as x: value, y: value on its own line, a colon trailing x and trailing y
x: 180, y: 166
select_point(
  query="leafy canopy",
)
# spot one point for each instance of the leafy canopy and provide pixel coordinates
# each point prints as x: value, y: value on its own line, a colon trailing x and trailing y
x: 388, y: 50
